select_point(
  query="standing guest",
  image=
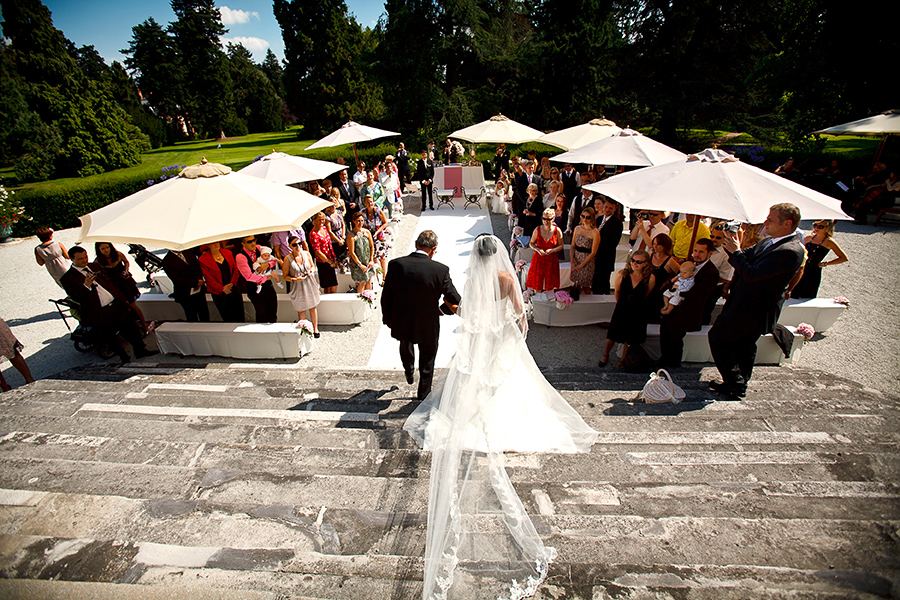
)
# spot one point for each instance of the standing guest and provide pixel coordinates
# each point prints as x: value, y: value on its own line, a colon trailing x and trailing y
x: 300, y: 269
x: 280, y: 246
x: 498, y: 199
x: 681, y: 235
x: 553, y: 191
x: 534, y: 206
x: 184, y: 270
x: 501, y: 160
x: 554, y: 176
x: 115, y: 265
x: 761, y: 277
x: 376, y: 190
x: 413, y: 289
x: 610, y: 227
x: 628, y: 324
x: 520, y: 199
x: 376, y: 223
x: 646, y: 230
x: 585, y: 242
x: 582, y: 201
x: 339, y: 206
x: 547, y: 243
x: 403, y: 166
x: 818, y: 244
x: 545, y: 171
x: 688, y: 315
x: 315, y: 189
x: 751, y: 234
x: 664, y: 268
x: 327, y: 186
x: 390, y: 181
x: 560, y: 211
x: 223, y: 282
x: 103, y: 307
x: 571, y: 181
x: 349, y: 194
x: 334, y: 223
x: 431, y: 150
x: 425, y: 177
x: 51, y: 254
x: 718, y: 257
x: 265, y: 301
x: 361, y: 248
x: 11, y: 348
x: 326, y: 261
x: 360, y: 177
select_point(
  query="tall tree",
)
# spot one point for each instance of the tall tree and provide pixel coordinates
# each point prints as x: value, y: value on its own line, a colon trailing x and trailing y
x: 255, y: 102
x: 274, y: 71
x: 321, y: 44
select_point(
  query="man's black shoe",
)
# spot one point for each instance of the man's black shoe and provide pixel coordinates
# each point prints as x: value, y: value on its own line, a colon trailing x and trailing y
x: 727, y: 389
x: 409, y: 377
x: 145, y: 353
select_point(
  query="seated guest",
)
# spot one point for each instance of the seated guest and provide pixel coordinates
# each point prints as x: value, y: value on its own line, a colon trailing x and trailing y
x: 223, y: 282
x: 103, y: 307
x: 646, y: 229
x: 300, y: 269
x: 688, y: 315
x: 547, y: 243
x: 664, y: 268
x: 51, y: 254
x: 184, y: 270
x: 629, y: 320
x: 681, y: 235
x: 361, y: 251
x: 788, y: 170
x: 265, y: 301
x: 718, y: 257
x: 610, y: 227
x: 585, y: 242
x: 878, y: 196
x: 818, y: 244
x: 326, y: 261
x: 115, y: 266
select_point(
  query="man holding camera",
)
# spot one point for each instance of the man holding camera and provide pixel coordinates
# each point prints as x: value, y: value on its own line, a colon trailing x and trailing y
x: 649, y: 225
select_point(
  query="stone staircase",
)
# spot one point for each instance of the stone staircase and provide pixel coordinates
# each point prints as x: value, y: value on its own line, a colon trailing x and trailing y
x: 209, y: 479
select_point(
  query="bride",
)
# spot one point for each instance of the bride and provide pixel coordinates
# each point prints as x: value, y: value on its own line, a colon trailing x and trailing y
x: 480, y: 541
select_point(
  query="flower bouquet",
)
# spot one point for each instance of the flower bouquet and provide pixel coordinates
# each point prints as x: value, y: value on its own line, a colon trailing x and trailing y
x: 563, y: 299
x: 367, y: 296
x: 513, y: 219
x: 842, y: 300
x: 806, y: 330
x: 519, y: 265
x: 306, y: 336
x: 527, y: 295
x: 517, y: 231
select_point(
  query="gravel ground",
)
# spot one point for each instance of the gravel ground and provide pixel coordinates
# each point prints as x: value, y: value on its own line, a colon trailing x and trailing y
x: 864, y: 345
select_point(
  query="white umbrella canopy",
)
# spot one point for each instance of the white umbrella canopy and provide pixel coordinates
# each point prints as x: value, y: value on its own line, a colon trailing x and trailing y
x: 716, y: 184
x: 875, y: 126
x: 205, y: 203
x: 279, y: 167
x: 627, y: 147
x: 581, y: 135
x: 498, y: 130
x: 351, y: 132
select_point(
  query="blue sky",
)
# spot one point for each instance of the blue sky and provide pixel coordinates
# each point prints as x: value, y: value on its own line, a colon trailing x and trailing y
x: 106, y: 24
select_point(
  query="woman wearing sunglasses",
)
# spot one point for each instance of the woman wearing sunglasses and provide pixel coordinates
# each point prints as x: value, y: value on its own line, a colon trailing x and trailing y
x: 818, y: 244
x: 629, y: 320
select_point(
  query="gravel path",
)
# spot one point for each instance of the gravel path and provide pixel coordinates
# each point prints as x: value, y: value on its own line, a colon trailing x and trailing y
x: 864, y: 345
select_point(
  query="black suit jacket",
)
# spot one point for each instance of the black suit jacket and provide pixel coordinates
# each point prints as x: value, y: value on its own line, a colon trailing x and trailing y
x: 89, y: 299
x: 425, y: 170
x: 184, y: 275
x: 410, y: 300
x: 760, y: 281
x: 688, y: 316
x: 350, y: 196
x: 610, y: 235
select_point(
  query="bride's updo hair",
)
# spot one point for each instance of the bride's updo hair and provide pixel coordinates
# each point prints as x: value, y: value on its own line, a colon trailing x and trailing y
x: 485, y: 245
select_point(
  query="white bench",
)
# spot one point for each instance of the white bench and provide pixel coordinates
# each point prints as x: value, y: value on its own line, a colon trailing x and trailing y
x: 235, y: 340
x: 821, y: 313
x: 696, y: 347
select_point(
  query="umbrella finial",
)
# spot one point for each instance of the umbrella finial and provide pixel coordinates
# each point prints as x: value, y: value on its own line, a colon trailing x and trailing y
x: 499, y: 117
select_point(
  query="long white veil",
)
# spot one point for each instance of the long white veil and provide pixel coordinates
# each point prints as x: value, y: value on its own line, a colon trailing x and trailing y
x: 480, y: 541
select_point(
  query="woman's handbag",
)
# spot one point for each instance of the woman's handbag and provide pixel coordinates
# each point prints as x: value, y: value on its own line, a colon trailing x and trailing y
x: 661, y: 389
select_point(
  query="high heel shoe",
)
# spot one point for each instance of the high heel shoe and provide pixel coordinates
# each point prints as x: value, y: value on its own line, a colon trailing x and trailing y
x: 603, y: 361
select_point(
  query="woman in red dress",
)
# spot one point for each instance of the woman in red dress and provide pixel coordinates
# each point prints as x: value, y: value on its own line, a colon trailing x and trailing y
x: 547, y: 243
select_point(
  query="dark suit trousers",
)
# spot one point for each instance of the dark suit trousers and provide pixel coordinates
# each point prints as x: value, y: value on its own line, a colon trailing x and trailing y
x: 427, y: 354
x: 118, y: 318
x: 671, y: 342
x: 265, y: 303
x: 427, y: 190
x: 733, y: 347
x: 600, y: 283
x: 231, y: 306
x: 195, y: 307
x: 711, y: 303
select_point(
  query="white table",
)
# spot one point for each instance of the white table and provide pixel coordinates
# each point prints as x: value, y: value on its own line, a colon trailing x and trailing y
x: 457, y: 177
x: 236, y: 340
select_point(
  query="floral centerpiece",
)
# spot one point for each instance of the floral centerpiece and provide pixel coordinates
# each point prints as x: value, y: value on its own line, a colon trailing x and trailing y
x: 513, y: 219
x: 10, y: 212
x: 563, y: 299
x: 305, y: 327
x: 519, y: 265
x: 527, y: 295
x: 806, y: 330
x: 842, y: 300
x: 367, y: 296
x: 458, y: 148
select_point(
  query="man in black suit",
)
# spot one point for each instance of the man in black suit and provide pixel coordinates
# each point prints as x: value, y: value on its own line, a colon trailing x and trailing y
x: 571, y: 181
x: 349, y: 194
x: 103, y: 307
x: 413, y: 289
x: 610, y: 226
x: 501, y: 160
x: 520, y: 198
x: 761, y: 277
x: 184, y: 270
x: 425, y: 177
x: 403, y: 166
x: 688, y: 315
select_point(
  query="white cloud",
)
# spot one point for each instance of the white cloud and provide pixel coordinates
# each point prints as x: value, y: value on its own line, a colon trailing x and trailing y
x: 236, y: 17
x: 253, y: 44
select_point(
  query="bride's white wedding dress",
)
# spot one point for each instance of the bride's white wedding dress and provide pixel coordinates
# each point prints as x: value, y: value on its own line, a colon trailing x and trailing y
x: 480, y: 541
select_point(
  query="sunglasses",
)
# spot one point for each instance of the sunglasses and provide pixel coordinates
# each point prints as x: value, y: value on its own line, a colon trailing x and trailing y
x: 545, y: 219
x: 638, y: 262
x: 250, y: 241
x: 295, y: 245
x: 818, y: 226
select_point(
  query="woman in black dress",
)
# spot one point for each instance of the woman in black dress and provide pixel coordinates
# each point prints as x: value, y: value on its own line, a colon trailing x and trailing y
x: 665, y: 267
x: 629, y: 320
x: 115, y: 266
x: 818, y: 244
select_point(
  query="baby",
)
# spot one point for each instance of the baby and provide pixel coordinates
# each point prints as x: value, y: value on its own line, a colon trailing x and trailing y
x: 265, y: 266
x: 684, y: 282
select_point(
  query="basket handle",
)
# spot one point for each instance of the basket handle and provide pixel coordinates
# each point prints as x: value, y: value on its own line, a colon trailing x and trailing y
x: 671, y: 384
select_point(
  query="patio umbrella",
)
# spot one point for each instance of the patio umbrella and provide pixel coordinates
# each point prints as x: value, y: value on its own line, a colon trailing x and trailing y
x: 581, y: 135
x: 279, y: 167
x: 205, y: 203
x: 627, y: 147
x: 716, y: 184
x: 498, y: 130
x: 351, y: 132
x: 883, y: 126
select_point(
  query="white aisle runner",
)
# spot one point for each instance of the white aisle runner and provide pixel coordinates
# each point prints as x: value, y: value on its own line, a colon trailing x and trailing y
x: 456, y: 231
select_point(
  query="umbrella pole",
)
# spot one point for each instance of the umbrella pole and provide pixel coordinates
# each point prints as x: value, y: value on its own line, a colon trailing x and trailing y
x: 355, y: 155
x: 694, y: 232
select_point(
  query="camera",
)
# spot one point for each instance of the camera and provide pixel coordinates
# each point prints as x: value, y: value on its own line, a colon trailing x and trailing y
x: 643, y: 215
x: 733, y: 226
